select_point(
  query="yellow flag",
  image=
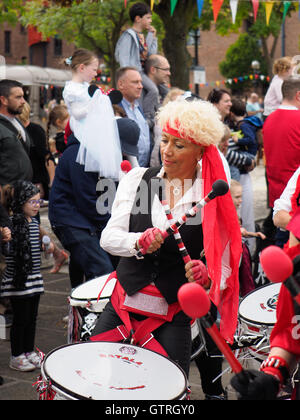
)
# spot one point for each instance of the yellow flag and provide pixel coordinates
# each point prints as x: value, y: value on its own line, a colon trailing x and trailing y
x: 269, y: 6
x: 152, y: 4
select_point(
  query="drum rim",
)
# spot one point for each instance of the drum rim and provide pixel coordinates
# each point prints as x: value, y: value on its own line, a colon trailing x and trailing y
x: 244, y: 318
x: 93, y: 298
x: 68, y: 392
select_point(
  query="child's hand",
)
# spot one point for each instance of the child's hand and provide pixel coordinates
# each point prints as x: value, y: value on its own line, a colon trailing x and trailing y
x: 6, y: 234
x: 153, y: 30
x: 50, y: 248
x: 235, y: 138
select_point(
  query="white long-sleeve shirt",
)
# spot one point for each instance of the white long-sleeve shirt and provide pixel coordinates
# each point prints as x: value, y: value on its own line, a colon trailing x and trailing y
x: 116, y: 238
x: 284, y: 201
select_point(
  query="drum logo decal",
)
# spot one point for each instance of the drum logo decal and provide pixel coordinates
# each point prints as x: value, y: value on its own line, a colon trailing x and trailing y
x: 271, y: 304
x: 123, y: 358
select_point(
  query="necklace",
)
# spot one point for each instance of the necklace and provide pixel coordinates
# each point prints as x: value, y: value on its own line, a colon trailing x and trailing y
x: 176, y: 188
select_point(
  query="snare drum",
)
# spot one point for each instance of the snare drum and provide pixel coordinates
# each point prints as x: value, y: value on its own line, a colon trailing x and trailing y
x: 257, y: 317
x: 110, y: 371
x: 85, y: 308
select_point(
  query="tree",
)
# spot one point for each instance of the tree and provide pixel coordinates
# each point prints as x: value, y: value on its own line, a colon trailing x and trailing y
x: 239, y: 57
x: 174, y: 43
x: 10, y: 11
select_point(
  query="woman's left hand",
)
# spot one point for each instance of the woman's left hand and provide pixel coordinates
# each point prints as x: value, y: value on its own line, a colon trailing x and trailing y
x: 196, y: 271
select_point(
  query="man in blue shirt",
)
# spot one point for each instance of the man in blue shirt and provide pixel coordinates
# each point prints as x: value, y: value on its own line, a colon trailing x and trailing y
x: 129, y: 83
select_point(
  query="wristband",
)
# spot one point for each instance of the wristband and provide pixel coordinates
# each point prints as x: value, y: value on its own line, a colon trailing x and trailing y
x: 278, y: 367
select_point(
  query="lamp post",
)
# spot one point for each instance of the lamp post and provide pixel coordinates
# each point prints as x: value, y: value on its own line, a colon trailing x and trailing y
x: 255, y: 65
x: 196, y: 59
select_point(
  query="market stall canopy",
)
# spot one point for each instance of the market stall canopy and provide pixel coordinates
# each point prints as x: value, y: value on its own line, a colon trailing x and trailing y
x: 34, y: 75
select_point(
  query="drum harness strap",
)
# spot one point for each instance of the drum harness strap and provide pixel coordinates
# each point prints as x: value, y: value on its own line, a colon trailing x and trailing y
x: 133, y: 331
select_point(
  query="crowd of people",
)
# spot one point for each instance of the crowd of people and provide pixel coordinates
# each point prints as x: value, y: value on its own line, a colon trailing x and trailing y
x: 107, y: 221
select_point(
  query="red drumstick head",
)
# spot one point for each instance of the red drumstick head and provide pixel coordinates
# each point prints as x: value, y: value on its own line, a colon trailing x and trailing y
x: 276, y: 264
x: 193, y: 300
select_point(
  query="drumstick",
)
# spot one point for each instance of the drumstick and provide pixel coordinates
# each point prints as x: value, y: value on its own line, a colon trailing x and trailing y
x: 219, y: 187
x: 182, y: 249
x: 196, y: 304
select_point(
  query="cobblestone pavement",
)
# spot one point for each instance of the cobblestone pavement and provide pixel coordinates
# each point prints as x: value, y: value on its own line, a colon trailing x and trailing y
x: 52, y: 330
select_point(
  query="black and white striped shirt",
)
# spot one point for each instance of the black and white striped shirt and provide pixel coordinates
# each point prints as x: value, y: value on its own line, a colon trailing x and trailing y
x: 34, y: 283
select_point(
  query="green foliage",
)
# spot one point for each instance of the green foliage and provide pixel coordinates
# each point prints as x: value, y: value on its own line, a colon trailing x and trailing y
x: 240, y: 55
x: 10, y: 11
x: 93, y: 25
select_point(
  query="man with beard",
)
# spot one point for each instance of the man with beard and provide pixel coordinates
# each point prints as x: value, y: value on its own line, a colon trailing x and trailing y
x: 14, y: 142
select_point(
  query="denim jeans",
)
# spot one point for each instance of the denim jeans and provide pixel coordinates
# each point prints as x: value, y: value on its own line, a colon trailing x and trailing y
x: 174, y: 336
x: 87, y: 259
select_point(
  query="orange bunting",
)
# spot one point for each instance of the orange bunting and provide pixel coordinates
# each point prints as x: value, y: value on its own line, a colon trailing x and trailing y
x: 216, y: 4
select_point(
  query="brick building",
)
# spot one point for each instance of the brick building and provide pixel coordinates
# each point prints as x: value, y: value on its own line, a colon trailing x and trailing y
x: 16, y: 45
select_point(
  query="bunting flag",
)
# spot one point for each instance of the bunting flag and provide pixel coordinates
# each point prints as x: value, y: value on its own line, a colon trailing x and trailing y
x: 152, y: 4
x: 233, y: 7
x: 200, y: 7
x: 269, y: 6
x: 216, y: 4
x: 235, y: 80
x: 173, y: 5
x: 286, y: 6
x: 255, y: 4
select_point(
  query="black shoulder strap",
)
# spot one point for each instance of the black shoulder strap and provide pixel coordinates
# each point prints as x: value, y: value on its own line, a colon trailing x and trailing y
x: 150, y: 173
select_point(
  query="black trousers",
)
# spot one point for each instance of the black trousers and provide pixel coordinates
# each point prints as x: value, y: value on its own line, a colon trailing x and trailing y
x: 174, y: 336
x: 22, y: 333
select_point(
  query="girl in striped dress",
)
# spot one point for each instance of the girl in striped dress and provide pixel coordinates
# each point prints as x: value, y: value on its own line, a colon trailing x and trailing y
x: 22, y: 281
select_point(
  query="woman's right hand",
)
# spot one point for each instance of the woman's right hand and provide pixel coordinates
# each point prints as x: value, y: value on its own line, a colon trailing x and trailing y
x: 151, y: 240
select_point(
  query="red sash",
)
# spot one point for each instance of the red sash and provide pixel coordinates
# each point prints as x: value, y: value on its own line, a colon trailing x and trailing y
x: 137, y: 332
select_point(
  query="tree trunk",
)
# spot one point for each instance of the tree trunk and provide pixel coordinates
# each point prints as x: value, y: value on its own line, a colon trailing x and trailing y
x: 269, y: 55
x: 175, y: 42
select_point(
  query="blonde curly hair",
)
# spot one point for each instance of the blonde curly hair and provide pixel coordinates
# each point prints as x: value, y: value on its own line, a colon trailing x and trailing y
x: 197, y: 121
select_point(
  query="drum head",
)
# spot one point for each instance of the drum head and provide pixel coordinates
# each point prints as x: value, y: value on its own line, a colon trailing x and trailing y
x: 259, y: 306
x: 113, y: 371
x: 87, y: 293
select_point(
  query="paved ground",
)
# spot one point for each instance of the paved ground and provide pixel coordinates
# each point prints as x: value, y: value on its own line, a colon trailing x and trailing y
x: 52, y: 331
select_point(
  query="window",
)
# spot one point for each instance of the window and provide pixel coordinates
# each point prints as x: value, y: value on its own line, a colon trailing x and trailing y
x: 7, y: 42
x: 57, y: 46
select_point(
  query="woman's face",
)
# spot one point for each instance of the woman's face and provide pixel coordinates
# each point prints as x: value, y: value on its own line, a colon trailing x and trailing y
x: 224, y: 105
x: 32, y: 206
x: 179, y: 156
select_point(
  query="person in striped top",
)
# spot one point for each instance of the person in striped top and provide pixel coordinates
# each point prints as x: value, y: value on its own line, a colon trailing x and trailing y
x: 22, y: 281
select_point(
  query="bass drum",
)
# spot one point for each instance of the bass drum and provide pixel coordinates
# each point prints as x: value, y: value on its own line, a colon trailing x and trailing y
x: 110, y: 371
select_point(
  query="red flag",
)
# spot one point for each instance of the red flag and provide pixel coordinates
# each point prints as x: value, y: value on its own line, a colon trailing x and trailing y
x: 222, y: 245
x: 255, y: 4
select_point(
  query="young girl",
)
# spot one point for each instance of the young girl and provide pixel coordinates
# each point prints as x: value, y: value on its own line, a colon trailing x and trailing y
x: 245, y: 274
x: 92, y: 118
x: 58, y: 118
x: 22, y: 281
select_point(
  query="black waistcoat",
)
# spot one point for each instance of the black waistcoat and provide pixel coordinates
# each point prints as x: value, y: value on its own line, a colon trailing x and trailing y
x: 165, y: 267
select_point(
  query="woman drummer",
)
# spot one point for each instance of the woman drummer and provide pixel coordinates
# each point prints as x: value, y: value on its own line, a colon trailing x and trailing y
x: 190, y: 133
